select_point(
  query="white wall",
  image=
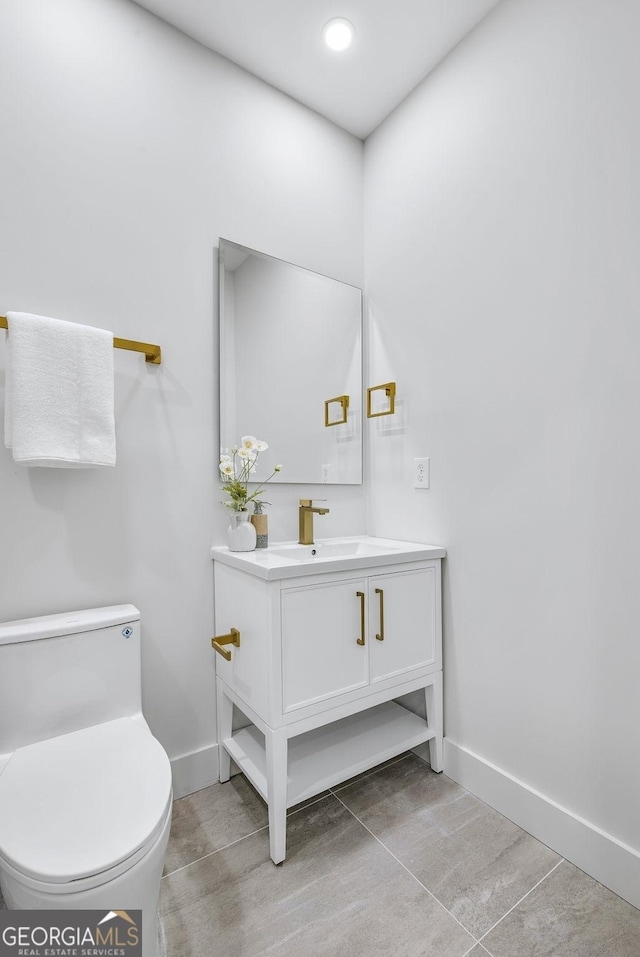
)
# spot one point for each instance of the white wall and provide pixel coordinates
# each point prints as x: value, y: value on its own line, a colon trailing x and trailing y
x: 502, y: 239
x: 126, y: 151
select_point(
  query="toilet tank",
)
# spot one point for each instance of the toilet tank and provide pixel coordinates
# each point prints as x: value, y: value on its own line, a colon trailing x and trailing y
x: 65, y: 672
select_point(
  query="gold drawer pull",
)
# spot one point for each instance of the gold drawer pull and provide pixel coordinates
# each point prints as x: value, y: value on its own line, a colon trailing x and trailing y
x: 360, y: 640
x: 380, y: 637
x: 233, y: 638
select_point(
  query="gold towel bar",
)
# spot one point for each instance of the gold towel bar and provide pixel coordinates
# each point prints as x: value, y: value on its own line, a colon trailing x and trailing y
x: 151, y: 353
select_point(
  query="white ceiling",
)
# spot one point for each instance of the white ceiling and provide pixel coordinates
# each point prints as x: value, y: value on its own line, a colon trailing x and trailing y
x: 397, y: 43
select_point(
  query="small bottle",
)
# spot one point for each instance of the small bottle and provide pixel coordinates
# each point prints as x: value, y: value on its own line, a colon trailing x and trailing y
x: 261, y: 522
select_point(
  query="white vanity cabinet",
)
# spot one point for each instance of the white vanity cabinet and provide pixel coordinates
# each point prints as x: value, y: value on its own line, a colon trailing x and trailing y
x: 324, y: 648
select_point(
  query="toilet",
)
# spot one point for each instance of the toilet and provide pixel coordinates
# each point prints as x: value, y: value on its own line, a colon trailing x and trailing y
x: 85, y: 788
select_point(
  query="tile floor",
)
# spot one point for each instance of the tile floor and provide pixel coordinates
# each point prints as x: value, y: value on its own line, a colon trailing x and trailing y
x: 397, y: 862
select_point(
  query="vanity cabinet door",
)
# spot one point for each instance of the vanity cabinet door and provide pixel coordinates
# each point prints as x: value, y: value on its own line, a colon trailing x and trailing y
x: 321, y: 656
x: 404, y: 614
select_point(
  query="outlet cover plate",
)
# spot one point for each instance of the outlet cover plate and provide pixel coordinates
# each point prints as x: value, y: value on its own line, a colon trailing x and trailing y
x: 421, y: 473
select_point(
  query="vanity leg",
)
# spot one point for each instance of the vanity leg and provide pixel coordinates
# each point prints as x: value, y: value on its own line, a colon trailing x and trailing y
x: 433, y: 698
x: 276, y: 746
x: 224, y: 711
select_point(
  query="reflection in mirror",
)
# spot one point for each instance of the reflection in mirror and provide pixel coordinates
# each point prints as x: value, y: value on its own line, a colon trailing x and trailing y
x: 335, y: 410
x: 289, y: 339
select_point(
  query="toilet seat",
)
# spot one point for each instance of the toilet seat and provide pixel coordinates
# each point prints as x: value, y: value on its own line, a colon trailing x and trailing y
x: 85, y: 806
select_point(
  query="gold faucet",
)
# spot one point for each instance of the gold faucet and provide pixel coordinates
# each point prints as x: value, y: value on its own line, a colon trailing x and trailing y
x: 305, y: 515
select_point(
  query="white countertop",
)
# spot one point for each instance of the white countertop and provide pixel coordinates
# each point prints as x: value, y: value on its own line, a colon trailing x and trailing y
x: 279, y: 560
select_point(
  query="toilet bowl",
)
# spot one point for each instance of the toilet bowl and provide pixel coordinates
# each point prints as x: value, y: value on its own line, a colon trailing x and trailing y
x: 85, y: 804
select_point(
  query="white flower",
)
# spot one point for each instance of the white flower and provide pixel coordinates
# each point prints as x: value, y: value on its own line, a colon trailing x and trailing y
x: 277, y: 468
x: 236, y: 468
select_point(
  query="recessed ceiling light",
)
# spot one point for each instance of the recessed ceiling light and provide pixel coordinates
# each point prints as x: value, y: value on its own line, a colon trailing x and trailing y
x: 338, y: 33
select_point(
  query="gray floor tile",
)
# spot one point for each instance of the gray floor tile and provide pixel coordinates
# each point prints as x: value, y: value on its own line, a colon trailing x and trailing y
x: 568, y: 915
x: 364, y: 774
x: 211, y: 818
x: 475, y: 861
x: 338, y: 892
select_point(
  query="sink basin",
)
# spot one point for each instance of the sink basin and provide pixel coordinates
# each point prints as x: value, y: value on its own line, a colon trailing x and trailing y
x: 310, y: 553
x: 291, y: 560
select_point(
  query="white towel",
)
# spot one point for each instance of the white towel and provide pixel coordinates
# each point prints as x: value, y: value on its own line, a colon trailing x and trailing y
x: 59, y: 408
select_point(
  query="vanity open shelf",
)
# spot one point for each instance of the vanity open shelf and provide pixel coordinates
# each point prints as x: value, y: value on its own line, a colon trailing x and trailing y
x: 331, y: 754
x: 313, y: 650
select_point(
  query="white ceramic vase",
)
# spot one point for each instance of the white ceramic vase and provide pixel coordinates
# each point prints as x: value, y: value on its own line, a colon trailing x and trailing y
x: 241, y: 534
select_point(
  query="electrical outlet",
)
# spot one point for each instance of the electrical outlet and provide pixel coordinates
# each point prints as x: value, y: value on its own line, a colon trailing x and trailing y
x: 421, y: 470
x: 326, y: 474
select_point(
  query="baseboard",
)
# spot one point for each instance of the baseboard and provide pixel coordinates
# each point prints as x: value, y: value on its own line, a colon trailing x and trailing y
x: 194, y: 771
x: 604, y: 857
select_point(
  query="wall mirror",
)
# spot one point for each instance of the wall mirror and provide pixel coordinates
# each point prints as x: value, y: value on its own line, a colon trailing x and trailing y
x: 291, y: 367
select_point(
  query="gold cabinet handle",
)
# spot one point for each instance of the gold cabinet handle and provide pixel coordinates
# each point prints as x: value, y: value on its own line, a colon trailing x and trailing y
x: 360, y: 640
x: 233, y: 638
x: 380, y: 592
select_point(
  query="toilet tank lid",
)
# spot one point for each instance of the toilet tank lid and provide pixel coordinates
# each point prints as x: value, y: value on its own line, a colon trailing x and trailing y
x: 67, y: 623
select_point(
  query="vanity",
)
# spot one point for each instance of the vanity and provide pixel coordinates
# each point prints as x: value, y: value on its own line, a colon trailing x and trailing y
x: 314, y: 643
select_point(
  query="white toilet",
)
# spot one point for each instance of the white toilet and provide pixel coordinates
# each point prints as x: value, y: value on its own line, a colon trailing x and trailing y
x: 85, y: 788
